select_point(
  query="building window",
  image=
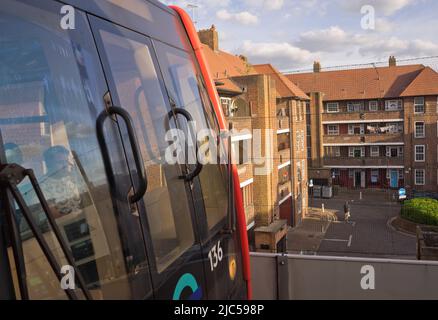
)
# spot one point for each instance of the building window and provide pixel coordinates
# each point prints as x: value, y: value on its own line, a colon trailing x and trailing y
x: 420, y: 153
x: 374, y: 151
x: 355, y: 106
x: 419, y: 177
x: 394, y: 152
x: 307, y: 107
x: 356, y: 129
x: 308, y: 130
x: 391, y: 105
x: 419, y: 105
x: 333, y: 129
x: 283, y: 141
x: 332, y: 107
x: 419, y: 129
x: 226, y: 106
x: 373, y: 106
x: 374, y: 176
x: 247, y: 197
x: 356, y: 152
x: 401, y: 174
x: 309, y: 152
x: 335, y: 173
x: 284, y: 175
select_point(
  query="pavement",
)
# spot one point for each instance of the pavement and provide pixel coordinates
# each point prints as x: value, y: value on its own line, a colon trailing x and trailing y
x: 366, y: 234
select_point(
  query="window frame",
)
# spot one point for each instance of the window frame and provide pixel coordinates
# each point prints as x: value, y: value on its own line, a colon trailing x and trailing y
x: 419, y: 153
x: 423, y: 105
x: 373, y: 103
x: 415, y: 177
x: 373, y: 154
x: 423, y: 135
x: 331, y: 104
x: 333, y: 132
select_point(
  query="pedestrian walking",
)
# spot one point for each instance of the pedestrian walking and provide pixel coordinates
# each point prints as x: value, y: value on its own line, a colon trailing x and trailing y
x: 346, y: 211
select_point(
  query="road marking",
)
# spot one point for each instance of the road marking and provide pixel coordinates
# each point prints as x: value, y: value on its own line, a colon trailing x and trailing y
x: 335, y: 240
x: 349, y: 240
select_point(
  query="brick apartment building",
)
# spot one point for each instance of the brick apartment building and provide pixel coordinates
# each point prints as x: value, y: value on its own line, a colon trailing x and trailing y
x: 373, y: 127
x: 260, y: 97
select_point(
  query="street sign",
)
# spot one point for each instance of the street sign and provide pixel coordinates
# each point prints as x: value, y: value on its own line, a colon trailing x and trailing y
x: 401, y: 193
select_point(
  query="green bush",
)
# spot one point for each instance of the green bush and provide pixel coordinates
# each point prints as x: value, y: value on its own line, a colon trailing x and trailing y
x: 421, y: 210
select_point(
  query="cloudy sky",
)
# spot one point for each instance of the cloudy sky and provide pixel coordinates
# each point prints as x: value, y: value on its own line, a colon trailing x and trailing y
x: 291, y: 34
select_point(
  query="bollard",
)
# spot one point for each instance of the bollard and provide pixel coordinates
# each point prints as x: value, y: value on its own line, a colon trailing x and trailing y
x: 322, y: 207
x: 360, y: 195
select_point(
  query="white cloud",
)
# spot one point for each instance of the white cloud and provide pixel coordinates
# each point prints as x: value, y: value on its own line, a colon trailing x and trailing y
x: 399, y: 47
x: 280, y: 54
x: 243, y: 17
x: 327, y: 40
x: 384, y: 25
x: 265, y: 4
x: 382, y: 7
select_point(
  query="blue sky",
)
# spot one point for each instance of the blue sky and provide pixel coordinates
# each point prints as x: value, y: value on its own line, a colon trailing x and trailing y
x: 291, y: 34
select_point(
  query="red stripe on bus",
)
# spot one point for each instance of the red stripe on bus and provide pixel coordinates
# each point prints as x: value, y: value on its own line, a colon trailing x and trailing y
x: 211, y: 89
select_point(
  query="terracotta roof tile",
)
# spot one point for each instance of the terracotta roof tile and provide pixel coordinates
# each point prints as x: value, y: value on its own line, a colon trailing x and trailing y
x: 356, y: 84
x: 285, y: 88
x: 426, y: 83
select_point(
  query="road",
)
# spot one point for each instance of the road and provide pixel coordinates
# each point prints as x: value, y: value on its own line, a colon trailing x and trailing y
x: 367, y: 234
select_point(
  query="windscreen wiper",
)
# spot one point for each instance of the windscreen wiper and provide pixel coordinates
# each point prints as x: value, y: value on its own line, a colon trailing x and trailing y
x: 10, y: 176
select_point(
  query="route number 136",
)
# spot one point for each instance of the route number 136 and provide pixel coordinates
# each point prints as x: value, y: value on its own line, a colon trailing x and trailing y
x: 215, y: 255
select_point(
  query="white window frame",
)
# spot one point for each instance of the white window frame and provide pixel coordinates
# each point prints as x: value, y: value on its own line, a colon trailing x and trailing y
x: 415, y: 177
x: 417, y: 104
x: 398, y: 102
x: 355, y: 106
x: 352, y: 149
x: 331, y: 104
x: 228, y: 103
x: 399, y: 151
x: 351, y: 128
x: 333, y: 132
x: 420, y: 153
x: 415, y: 130
x: 373, y: 106
x: 374, y: 153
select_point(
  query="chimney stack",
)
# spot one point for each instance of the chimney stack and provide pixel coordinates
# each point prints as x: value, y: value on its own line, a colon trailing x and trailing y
x: 210, y: 37
x: 316, y: 66
x: 392, y: 61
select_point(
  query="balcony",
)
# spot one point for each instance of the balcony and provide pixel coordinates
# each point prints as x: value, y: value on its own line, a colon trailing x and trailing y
x: 366, y: 161
x: 362, y: 116
x: 364, y: 138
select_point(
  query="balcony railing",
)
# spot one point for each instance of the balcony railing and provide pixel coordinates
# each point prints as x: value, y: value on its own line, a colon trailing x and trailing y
x: 363, y: 115
x: 365, y: 161
x: 364, y: 138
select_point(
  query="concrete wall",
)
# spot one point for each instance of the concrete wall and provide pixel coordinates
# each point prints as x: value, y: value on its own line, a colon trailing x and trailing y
x: 321, y: 277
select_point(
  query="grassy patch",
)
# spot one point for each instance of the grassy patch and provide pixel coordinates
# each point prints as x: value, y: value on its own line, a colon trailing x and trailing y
x: 421, y: 210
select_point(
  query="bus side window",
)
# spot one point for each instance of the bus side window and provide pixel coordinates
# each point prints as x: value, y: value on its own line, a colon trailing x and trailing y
x: 182, y: 81
x: 51, y: 89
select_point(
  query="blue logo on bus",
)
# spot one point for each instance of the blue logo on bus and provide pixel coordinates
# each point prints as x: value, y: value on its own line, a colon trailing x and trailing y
x: 187, y: 280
